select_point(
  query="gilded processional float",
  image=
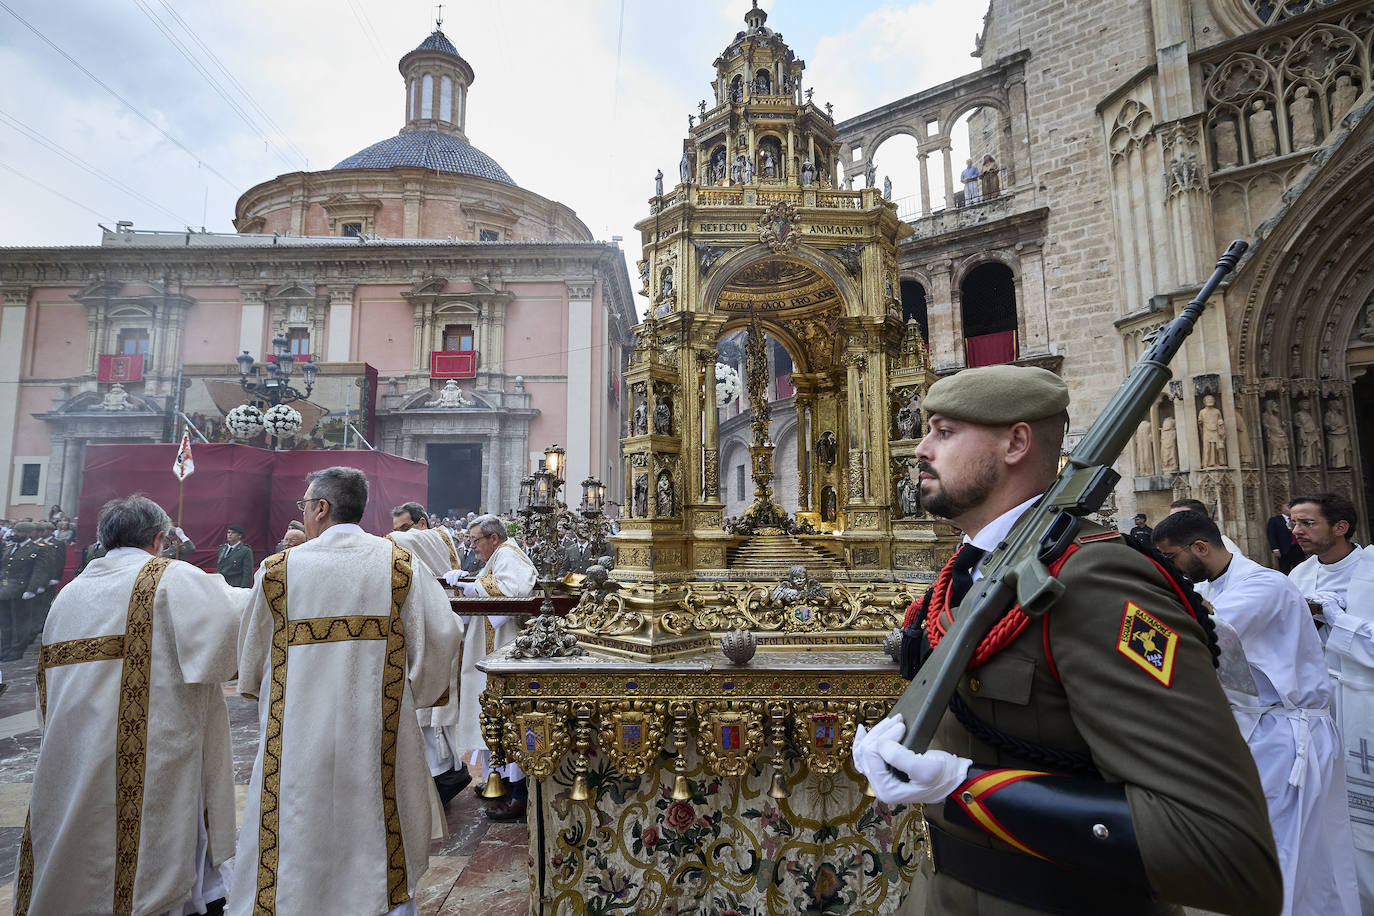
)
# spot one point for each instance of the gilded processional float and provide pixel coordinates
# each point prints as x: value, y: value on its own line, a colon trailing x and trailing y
x: 666, y: 777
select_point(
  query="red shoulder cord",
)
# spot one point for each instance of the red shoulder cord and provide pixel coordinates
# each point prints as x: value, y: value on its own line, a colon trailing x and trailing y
x: 938, y: 617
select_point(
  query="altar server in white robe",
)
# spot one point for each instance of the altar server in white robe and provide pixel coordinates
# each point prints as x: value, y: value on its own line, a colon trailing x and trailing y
x: 1338, y: 579
x: 344, y: 637
x: 132, y: 809
x: 438, y: 724
x: 1289, y: 728
x: 506, y: 572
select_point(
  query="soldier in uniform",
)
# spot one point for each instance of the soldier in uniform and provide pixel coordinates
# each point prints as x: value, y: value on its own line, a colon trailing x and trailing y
x: 235, y: 559
x: 21, y: 580
x: 1088, y: 762
x: 53, y: 557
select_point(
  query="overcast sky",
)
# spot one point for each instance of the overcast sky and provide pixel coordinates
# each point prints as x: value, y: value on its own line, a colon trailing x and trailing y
x: 579, y: 100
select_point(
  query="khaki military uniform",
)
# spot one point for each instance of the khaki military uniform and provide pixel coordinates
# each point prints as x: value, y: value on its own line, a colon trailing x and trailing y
x: 1119, y: 670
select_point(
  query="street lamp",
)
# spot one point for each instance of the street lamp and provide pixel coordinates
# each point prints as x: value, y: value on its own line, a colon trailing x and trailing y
x: 276, y: 387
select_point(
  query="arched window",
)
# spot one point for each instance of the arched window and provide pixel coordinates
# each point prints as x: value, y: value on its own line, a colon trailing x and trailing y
x: 410, y: 100
x: 988, y: 300
x: 427, y: 96
x: 763, y: 83
x: 914, y: 306
x: 446, y: 99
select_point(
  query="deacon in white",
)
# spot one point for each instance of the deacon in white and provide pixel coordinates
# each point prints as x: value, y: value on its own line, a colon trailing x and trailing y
x: 133, y: 797
x: 1338, y: 579
x: 1287, y: 725
x: 506, y: 573
x: 344, y: 637
x: 439, y: 724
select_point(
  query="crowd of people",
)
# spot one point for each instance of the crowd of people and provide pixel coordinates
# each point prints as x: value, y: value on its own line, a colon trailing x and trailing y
x: 348, y: 642
x: 1183, y: 726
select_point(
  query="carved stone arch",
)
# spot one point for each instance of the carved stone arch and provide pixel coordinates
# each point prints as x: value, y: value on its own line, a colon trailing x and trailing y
x: 132, y: 311
x: 801, y: 360
x: 901, y: 129
x: 964, y: 266
x: 1235, y: 17
x: 948, y: 117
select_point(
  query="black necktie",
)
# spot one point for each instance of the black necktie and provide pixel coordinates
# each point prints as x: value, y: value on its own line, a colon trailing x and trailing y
x: 964, y: 562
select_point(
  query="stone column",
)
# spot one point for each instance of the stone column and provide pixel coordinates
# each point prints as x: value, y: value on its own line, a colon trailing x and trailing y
x: 803, y: 455
x: 855, y: 482
x: 13, y: 325
x: 338, y: 347
x: 947, y: 154
x: 580, y: 386
x: 922, y: 161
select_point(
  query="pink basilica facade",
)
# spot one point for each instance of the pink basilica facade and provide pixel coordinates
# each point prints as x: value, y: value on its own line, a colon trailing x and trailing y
x: 454, y: 316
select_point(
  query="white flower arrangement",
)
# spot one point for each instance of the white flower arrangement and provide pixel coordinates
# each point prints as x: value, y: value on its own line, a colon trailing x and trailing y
x: 728, y: 386
x: 282, y: 421
x: 244, y: 421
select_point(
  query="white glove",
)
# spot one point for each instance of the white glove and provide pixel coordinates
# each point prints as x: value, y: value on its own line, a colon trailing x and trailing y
x: 52, y: 581
x: 1331, y: 603
x: 41, y: 590
x: 182, y: 534
x: 454, y: 576
x: 28, y: 595
x: 469, y: 590
x: 930, y: 777
x: 497, y: 621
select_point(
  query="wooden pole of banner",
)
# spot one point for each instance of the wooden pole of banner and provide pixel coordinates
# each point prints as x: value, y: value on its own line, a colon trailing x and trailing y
x: 181, y: 481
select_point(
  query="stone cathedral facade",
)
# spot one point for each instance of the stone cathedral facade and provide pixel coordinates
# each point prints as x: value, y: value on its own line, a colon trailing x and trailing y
x: 1131, y: 143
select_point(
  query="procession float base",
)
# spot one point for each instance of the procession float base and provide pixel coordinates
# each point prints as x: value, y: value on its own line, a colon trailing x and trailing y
x: 697, y: 786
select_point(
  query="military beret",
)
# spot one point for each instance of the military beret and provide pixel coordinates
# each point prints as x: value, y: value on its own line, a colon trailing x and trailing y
x: 238, y: 528
x: 998, y: 395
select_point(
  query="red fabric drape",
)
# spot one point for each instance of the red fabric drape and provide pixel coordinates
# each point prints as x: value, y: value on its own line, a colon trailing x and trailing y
x: 991, y: 349
x: 237, y: 484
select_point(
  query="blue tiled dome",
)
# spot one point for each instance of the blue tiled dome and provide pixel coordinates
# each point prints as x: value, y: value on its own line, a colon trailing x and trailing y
x: 428, y: 149
x: 438, y: 41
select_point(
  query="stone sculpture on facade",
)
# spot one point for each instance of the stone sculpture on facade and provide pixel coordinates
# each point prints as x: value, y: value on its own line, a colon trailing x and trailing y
x: 1144, y: 449
x: 1168, y: 445
x: 451, y: 396
x: 1308, y: 435
x: 870, y: 175
x: 770, y: 164
x: 116, y: 398
x: 1212, y: 433
x: 1263, y: 144
x: 1342, y: 98
x: 1337, y: 437
x: 1304, y: 119
x: 1228, y: 150
x: 908, y: 421
x: 808, y: 173
x: 747, y: 169
x: 1276, y: 437
x: 639, y: 420
x: 826, y: 448
x: 1247, y: 455
x: 887, y: 187
x: 684, y: 168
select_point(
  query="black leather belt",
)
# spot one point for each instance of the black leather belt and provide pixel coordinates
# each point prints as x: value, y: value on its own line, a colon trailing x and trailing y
x: 1033, y: 882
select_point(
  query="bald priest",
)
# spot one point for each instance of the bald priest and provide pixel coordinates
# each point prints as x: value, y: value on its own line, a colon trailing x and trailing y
x: 133, y: 797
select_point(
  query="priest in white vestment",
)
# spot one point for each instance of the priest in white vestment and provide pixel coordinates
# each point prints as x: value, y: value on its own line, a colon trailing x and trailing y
x: 1338, y: 578
x: 345, y: 636
x: 1288, y: 725
x: 438, y: 724
x: 132, y: 809
x: 506, y: 573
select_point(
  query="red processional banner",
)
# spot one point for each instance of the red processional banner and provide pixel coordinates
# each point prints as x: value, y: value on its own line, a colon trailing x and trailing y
x: 453, y: 364
x: 120, y: 368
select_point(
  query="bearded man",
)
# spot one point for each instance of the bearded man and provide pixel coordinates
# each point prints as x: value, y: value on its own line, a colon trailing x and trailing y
x: 1089, y: 762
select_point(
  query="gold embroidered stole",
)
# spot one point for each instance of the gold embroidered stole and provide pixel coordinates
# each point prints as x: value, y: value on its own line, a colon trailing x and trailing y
x: 309, y: 631
x: 135, y: 647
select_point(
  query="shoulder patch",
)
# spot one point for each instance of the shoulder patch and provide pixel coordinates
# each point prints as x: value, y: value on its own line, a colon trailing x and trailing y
x: 1147, y: 642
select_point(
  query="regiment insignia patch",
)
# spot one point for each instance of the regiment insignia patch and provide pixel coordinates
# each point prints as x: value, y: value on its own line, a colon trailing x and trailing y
x: 1147, y: 642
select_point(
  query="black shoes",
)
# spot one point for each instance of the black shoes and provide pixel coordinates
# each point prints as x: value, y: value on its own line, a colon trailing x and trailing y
x: 451, y: 783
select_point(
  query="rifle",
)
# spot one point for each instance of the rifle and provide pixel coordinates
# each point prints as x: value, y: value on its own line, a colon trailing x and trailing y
x: 1017, y: 571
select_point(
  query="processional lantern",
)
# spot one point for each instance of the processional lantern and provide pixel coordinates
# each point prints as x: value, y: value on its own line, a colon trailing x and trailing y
x: 276, y: 387
x: 554, y: 461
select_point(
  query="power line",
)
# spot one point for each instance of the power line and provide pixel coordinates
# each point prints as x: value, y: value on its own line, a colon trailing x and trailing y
x: 127, y: 104
x: 214, y: 84
x: 366, y: 28
x: 62, y: 151
x: 52, y: 190
x: 243, y: 90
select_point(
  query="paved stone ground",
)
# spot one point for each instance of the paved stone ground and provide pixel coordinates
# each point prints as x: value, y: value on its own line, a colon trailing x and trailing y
x: 482, y: 867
